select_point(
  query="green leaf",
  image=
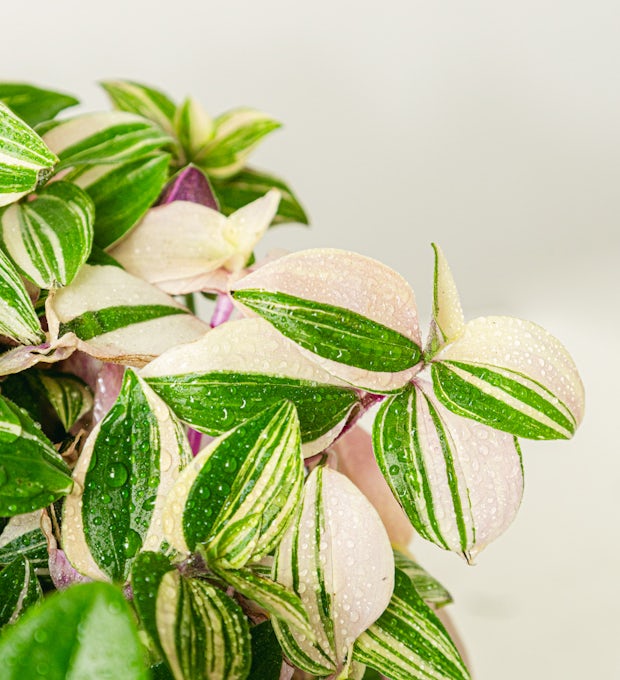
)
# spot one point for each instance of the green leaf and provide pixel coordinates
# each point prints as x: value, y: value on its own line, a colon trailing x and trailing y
x: 18, y: 320
x: 49, y: 238
x: 142, y: 100
x: 32, y: 474
x: 248, y: 185
x: 459, y: 482
x: 122, y: 194
x: 429, y: 589
x: 128, y: 333
x: 25, y: 160
x: 408, y: 642
x: 241, y: 368
x: 34, y: 104
x: 124, y: 474
x: 69, y: 396
x: 266, y: 653
x: 332, y: 332
x: 193, y: 126
x: 22, y: 537
x: 202, y: 633
x: 85, y: 632
x: 103, y: 138
x: 19, y: 589
x: 241, y: 492
x: 235, y: 135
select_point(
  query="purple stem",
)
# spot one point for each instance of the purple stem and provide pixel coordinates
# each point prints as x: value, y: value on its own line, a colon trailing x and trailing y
x: 192, y: 185
x: 195, y: 439
x: 223, y: 310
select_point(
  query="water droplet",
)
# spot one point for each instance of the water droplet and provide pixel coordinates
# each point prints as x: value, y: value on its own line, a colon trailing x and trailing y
x: 394, y: 469
x: 133, y: 543
x: 97, y: 521
x: 117, y: 475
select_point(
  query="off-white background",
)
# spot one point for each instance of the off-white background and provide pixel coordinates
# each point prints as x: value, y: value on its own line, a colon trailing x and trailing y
x: 489, y: 127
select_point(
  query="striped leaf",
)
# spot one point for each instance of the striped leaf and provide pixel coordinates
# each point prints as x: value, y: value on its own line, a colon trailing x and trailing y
x: 114, y: 316
x: 512, y: 375
x: 25, y: 160
x: 69, y: 396
x: 236, y: 498
x: 235, y: 135
x: 86, y: 632
x: 193, y: 126
x: 22, y: 537
x: 49, y: 238
x: 122, y: 194
x: 448, y: 321
x: 126, y: 470
x: 243, y: 367
x: 142, y: 100
x: 460, y: 482
x: 18, y: 320
x: 182, y: 240
x: 32, y: 474
x: 408, y: 642
x: 353, y: 315
x: 202, y: 633
x: 337, y: 557
x: 26, y: 356
x: 429, y: 589
x: 250, y: 184
x: 103, y: 138
x: 34, y: 104
x: 19, y: 589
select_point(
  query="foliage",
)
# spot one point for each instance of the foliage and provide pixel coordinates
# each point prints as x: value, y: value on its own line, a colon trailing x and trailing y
x: 177, y: 479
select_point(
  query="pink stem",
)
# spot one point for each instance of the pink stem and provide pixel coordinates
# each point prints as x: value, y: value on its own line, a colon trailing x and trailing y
x: 223, y: 310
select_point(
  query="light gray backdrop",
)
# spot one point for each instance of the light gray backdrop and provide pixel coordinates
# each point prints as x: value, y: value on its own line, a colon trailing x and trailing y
x: 489, y: 127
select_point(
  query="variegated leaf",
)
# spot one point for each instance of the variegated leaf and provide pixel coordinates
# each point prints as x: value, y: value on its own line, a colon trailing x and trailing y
x: 125, y: 472
x: 25, y: 160
x: 248, y: 185
x: 241, y: 368
x: 511, y: 375
x: 337, y: 557
x: 202, y: 633
x: 122, y: 194
x: 70, y: 397
x: 142, y: 100
x: 32, y: 474
x: 193, y: 126
x: 429, y: 589
x: 18, y: 320
x: 460, y: 482
x: 238, y: 495
x: 182, y: 240
x: 24, y: 357
x: 106, y: 137
x: 34, y: 104
x: 19, y: 589
x: 355, y: 316
x: 117, y: 317
x: 235, y: 135
x: 408, y: 642
x: 85, y: 632
x: 190, y: 184
x: 22, y: 536
x: 49, y: 237
x: 448, y: 321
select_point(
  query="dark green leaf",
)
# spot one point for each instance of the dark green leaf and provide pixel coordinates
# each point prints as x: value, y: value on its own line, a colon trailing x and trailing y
x: 22, y: 537
x: 266, y: 653
x: 19, y: 589
x: 85, y: 632
x: 34, y: 104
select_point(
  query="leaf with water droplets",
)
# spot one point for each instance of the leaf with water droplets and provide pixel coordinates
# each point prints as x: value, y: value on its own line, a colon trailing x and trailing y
x: 408, y: 640
x: 125, y: 472
x: 86, y: 631
x: 512, y: 375
x: 114, y: 316
x: 19, y: 589
x: 32, y: 474
x: 22, y: 536
x: 238, y: 495
x: 460, y: 482
x: 355, y: 316
x: 239, y: 369
x: 337, y: 557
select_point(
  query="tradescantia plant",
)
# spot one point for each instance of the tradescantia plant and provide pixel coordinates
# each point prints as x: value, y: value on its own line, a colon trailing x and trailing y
x: 194, y: 484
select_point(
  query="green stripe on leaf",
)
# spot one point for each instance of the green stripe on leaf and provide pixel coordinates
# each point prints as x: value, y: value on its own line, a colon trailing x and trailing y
x: 333, y: 332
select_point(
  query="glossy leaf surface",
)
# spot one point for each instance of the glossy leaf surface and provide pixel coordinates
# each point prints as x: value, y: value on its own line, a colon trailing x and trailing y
x: 19, y: 589
x: 32, y: 104
x: 18, y: 319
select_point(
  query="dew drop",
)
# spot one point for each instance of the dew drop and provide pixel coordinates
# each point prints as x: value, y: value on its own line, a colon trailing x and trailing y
x: 117, y: 475
x: 133, y: 543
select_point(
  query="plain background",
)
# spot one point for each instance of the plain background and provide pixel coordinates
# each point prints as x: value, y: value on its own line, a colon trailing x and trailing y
x: 491, y: 128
